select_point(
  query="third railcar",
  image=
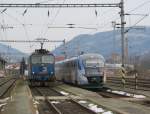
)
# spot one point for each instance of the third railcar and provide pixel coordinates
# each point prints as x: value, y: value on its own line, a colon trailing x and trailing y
x: 86, y: 70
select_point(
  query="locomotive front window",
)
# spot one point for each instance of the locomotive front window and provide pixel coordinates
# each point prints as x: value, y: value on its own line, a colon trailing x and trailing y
x: 36, y: 59
x: 42, y: 59
x: 47, y: 59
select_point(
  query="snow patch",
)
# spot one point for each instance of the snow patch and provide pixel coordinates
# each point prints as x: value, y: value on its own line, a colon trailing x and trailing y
x: 119, y: 92
x: 95, y: 108
x: 108, y: 112
x: 91, y: 105
x: 139, y: 96
x: 109, y: 90
x: 2, y: 110
x: 36, y: 102
x: 83, y: 102
x: 37, y: 112
x: 55, y: 102
x: 128, y: 94
x: 3, y: 104
x: 64, y: 93
x: 5, y: 99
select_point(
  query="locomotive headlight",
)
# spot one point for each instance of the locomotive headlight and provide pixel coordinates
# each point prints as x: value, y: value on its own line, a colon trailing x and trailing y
x: 51, y: 72
x: 93, y: 79
x: 32, y: 72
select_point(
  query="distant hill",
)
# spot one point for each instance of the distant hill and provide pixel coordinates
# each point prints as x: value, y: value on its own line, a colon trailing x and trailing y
x: 11, y: 54
x: 103, y: 43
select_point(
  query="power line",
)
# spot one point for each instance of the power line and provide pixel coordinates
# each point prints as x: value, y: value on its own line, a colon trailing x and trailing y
x: 136, y: 23
x: 58, y: 5
x: 139, y: 6
x: 29, y: 41
x: 73, y: 27
x: 45, y: 1
x: 44, y: 32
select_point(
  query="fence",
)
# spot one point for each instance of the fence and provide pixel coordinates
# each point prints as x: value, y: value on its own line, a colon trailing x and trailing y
x: 136, y: 83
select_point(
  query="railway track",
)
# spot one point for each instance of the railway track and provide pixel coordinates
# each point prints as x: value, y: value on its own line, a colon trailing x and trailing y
x: 5, y: 87
x: 106, y: 94
x: 63, y: 106
x: 44, y: 91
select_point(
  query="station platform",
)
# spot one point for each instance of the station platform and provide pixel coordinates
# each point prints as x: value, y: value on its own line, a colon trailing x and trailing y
x: 20, y: 101
x: 116, y: 105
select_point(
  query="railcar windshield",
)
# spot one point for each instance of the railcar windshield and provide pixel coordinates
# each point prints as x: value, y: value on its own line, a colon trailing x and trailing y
x: 93, y: 71
x: 36, y: 59
x: 94, y: 62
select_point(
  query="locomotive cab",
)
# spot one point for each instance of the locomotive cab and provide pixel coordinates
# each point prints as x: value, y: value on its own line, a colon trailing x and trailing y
x: 41, y: 66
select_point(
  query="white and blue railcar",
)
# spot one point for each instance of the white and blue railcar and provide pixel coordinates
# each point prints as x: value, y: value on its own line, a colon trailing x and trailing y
x: 86, y: 70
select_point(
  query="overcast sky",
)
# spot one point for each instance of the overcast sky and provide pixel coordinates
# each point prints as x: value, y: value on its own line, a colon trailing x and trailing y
x: 35, y: 22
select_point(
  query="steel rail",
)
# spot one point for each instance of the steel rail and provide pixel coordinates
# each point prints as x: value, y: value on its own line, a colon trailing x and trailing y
x: 53, y: 106
x: 85, y: 108
x: 4, y: 82
x: 111, y: 95
x: 55, y: 91
x: 6, y: 90
x: 48, y: 102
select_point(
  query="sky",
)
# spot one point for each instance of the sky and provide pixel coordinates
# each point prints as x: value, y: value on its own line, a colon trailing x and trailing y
x: 36, y: 23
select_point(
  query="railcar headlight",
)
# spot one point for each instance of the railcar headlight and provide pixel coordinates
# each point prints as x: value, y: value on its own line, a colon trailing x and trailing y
x: 32, y: 72
x: 51, y: 72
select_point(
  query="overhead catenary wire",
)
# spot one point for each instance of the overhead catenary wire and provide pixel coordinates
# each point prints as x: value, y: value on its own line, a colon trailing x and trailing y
x: 136, y: 23
x: 134, y: 9
x: 35, y: 41
x: 42, y: 30
x: 57, y: 12
x: 5, y: 33
x: 139, y: 6
x: 22, y: 24
x: 45, y: 1
x: 73, y: 27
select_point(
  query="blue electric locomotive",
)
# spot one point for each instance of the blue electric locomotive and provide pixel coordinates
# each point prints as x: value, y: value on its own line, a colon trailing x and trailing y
x: 41, y: 67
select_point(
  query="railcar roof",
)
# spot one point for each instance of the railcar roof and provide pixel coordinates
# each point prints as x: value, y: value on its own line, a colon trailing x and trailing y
x: 92, y: 55
x: 84, y: 56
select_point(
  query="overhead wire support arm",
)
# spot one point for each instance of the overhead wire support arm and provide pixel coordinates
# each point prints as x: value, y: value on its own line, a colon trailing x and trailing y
x: 58, y: 5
